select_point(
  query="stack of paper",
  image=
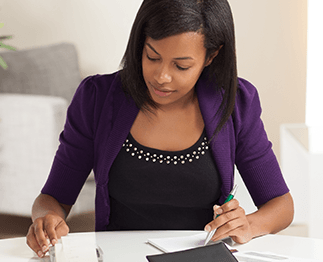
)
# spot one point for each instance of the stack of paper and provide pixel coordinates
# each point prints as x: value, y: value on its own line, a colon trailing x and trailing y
x: 174, y: 244
x: 76, y: 249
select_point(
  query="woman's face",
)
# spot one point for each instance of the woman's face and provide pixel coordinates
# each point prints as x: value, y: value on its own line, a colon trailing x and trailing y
x: 172, y: 66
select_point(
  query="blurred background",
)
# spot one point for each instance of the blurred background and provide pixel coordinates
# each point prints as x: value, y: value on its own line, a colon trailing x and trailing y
x: 271, y: 42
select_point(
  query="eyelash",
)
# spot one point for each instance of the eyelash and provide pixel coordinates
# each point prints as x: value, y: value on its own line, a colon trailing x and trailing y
x: 178, y: 67
x: 152, y: 59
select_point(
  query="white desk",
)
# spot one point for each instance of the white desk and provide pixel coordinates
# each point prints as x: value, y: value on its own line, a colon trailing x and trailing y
x: 131, y: 246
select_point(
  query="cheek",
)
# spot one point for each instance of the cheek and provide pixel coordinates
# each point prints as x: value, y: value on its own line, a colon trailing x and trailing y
x: 147, y: 70
x: 188, y: 80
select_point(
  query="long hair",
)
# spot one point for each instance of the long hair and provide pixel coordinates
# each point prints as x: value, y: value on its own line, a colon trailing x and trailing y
x: 162, y: 18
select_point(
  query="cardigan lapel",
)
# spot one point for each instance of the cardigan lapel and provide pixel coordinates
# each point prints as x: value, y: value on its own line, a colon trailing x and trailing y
x: 222, y: 144
x: 124, y: 119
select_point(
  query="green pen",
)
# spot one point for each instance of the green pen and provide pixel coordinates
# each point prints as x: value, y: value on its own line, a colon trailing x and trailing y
x: 230, y: 197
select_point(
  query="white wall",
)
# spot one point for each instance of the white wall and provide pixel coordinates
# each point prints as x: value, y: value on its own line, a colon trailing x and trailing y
x: 314, y: 86
x: 99, y: 28
x: 271, y: 43
x: 271, y: 49
x: 314, y: 105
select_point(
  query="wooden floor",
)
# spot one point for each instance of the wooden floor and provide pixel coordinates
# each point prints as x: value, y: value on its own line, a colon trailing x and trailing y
x: 15, y: 226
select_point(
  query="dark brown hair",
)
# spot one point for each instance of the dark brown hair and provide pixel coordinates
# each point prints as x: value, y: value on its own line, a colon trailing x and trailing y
x: 162, y: 18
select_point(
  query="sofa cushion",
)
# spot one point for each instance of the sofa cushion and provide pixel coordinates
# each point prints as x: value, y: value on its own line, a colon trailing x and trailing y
x: 49, y: 70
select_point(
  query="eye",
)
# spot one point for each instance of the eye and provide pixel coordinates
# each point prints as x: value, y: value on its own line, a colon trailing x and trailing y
x: 152, y: 59
x: 182, y: 68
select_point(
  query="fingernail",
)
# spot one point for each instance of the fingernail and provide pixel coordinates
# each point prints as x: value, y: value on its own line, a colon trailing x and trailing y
x: 207, y: 228
x: 40, y: 254
x: 44, y: 248
x: 219, y: 211
x: 215, y: 207
x: 54, y: 242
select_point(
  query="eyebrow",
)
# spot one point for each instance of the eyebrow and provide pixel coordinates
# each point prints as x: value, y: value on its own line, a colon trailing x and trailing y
x: 177, y: 58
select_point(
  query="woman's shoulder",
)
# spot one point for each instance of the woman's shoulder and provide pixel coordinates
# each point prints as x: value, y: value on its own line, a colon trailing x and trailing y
x: 247, y: 105
x: 246, y: 89
x: 96, y: 94
x: 101, y: 82
x: 98, y: 87
x: 247, y: 95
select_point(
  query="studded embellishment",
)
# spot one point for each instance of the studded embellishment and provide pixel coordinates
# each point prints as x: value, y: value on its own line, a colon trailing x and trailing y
x: 166, y: 159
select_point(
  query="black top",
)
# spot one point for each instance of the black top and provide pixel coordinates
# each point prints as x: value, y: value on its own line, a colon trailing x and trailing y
x: 152, y: 189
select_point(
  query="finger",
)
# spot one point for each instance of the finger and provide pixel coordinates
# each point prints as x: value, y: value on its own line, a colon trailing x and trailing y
x: 62, y: 229
x: 231, y: 215
x: 217, y: 211
x: 220, y: 220
x: 239, y: 235
x: 40, y: 237
x: 33, y: 243
x: 226, y: 229
x: 50, y: 228
x: 236, y: 221
x: 229, y: 206
x: 213, y: 225
x: 232, y: 233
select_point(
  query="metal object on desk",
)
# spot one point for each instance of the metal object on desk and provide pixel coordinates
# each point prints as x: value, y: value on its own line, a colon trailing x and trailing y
x: 52, y: 256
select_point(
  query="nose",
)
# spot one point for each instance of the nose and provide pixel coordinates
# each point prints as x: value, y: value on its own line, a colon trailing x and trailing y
x: 163, y: 75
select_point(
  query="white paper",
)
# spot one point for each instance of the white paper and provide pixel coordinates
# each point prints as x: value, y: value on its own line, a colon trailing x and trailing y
x: 76, y: 248
x: 59, y: 253
x: 173, y: 244
x: 252, y: 256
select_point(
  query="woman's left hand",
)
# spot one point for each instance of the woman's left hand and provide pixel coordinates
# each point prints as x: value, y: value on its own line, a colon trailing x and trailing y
x: 231, y: 222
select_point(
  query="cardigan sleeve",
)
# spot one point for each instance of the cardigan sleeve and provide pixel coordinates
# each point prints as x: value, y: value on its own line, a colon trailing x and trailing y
x: 74, y: 158
x: 255, y: 158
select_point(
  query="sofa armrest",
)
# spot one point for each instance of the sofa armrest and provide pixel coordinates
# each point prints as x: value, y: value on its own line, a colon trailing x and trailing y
x: 29, y: 129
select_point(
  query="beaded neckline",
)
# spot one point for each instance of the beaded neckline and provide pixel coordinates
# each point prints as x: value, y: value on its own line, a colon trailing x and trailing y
x: 147, y: 154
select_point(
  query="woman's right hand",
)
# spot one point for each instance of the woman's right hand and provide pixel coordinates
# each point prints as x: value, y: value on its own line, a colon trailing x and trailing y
x: 44, y: 231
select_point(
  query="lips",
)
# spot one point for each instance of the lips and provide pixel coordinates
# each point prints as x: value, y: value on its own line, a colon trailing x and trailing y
x: 161, y: 92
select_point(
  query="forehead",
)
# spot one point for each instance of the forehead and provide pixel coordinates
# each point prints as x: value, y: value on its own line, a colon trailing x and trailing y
x: 184, y: 44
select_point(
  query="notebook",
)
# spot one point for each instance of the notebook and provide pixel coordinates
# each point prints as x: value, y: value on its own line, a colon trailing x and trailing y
x: 210, y: 253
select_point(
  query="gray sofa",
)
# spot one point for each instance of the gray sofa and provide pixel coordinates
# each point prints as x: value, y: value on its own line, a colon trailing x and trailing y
x: 35, y: 91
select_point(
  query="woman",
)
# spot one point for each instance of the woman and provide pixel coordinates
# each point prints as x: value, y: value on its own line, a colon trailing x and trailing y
x: 163, y: 135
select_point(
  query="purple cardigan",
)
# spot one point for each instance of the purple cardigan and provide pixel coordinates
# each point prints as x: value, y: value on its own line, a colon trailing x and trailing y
x: 100, y: 117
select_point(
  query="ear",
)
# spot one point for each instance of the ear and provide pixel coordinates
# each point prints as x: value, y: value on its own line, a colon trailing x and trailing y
x: 210, y: 59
